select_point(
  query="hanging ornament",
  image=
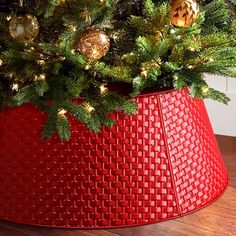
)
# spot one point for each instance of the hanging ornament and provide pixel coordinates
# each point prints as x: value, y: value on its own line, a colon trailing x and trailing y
x: 24, y: 28
x: 93, y: 43
x: 183, y: 12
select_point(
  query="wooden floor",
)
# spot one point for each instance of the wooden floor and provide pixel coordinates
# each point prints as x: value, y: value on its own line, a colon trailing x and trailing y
x: 218, y: 219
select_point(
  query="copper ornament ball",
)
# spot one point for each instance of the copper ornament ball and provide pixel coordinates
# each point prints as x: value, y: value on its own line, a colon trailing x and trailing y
x: 183, y: 12
x: 93, y: 43
x: 24, y: 28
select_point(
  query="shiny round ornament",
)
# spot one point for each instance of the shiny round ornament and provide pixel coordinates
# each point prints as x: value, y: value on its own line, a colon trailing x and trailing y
x: 24, y: 28
x: 93, y: 43
x: 183, y: 12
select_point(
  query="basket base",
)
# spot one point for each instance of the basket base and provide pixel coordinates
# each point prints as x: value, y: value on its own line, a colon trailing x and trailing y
x: 124, y: 226
x: 160, y: 164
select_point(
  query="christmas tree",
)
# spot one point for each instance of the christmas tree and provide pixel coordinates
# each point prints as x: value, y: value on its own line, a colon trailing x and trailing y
x: 89, y: 58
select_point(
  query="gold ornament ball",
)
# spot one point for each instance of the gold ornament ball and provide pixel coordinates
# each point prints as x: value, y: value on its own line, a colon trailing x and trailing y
x: 183, y: 12
x: 93, y: 43
x: 24, y: 28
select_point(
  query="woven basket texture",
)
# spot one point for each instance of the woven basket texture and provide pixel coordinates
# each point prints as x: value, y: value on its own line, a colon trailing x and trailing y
x: 157, y: 165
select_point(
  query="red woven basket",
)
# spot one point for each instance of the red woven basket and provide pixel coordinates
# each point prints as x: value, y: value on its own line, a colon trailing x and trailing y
x: 160, y: 164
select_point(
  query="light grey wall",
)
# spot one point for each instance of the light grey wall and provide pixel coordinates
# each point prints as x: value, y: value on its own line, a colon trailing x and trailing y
x: 223, y: 117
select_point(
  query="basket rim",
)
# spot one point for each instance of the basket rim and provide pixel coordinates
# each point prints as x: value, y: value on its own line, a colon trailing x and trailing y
x: 151, y: 93
x: 147, y: 93
x: 126, y: 91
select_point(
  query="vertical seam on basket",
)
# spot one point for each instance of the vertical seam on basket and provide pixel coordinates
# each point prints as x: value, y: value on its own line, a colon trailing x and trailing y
x: 168, y: 153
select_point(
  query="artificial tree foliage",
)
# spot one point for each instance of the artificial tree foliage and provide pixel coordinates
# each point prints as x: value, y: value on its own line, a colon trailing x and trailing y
x: 146, y: 51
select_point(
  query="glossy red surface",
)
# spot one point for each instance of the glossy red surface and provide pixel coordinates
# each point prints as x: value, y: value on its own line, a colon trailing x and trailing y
x: 157, y: 165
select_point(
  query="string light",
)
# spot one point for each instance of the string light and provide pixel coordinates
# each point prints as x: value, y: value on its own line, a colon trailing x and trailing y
x: 40, y: 62
x: 15, y: 87
x: 1, y: 62
x: 8, y: 18
x: 176, y: 77
x: 211, y: 59
x: 103, y: 89
x: 205, y: 90
x: 144, y: 72
x: 40, y: 77
x: 62, y: 112
x: 87, y: 67
x: 88, y: 107
x: 192, y: 49
x: 72, y: 28
x: 10, y: 75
